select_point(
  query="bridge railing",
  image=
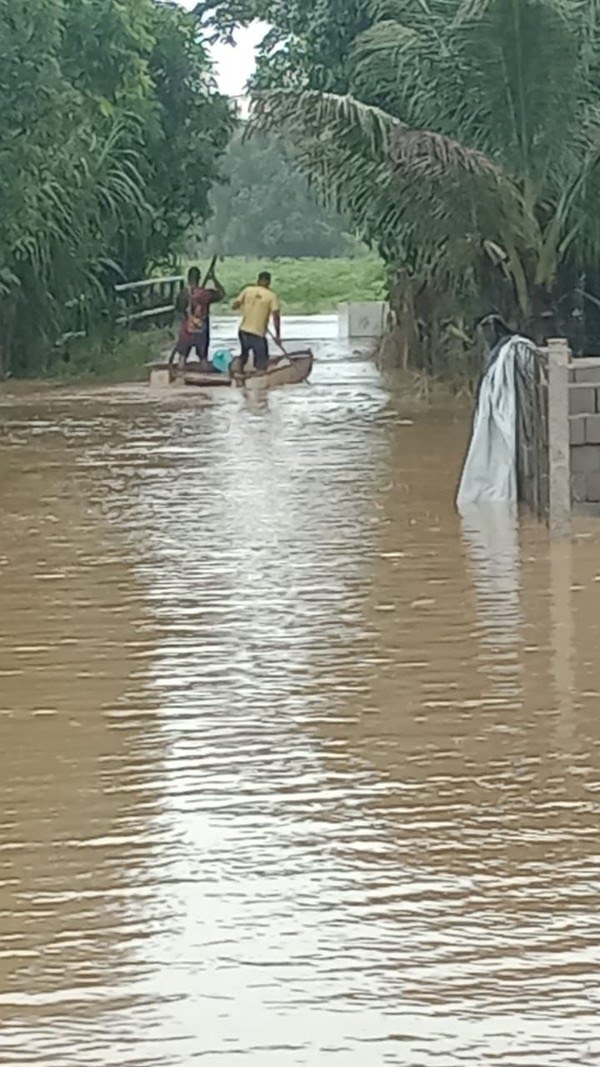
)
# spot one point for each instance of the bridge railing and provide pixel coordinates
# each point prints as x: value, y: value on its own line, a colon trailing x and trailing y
x: 151, y: 300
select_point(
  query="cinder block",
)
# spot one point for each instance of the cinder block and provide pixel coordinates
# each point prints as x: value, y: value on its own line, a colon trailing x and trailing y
x: 582, y: 400
x: 577, y: 429
x: 586, y: 371
x: 579, y: 488
x: 592, y: 482
x: 585, y: 459
x: 592, y: 430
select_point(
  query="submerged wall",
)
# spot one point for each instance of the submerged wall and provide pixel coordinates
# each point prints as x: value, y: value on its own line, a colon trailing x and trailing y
x: 584, y: 433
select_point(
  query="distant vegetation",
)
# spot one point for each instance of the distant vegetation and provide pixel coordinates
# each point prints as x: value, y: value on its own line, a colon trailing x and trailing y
x: 264, y: 207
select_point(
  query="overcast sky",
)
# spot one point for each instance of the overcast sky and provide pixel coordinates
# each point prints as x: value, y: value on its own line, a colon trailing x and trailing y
x: 235, y: 65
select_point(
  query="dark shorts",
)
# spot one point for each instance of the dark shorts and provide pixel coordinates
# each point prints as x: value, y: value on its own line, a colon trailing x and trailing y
x: 251, y: 342
x: 200, y: 341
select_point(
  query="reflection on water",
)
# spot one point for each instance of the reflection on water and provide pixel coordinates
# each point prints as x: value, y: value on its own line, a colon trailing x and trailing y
x: 296, y: 767
x: 563, y: 630
x: 491, y: 534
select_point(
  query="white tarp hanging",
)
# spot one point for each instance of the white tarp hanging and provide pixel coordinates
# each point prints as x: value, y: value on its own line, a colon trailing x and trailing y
x: 490, y: 470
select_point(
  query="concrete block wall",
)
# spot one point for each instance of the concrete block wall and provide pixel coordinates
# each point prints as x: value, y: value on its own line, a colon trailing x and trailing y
x: 584, y: 431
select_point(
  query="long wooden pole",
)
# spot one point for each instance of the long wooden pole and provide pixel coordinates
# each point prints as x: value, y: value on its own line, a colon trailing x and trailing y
x: 210, y: 271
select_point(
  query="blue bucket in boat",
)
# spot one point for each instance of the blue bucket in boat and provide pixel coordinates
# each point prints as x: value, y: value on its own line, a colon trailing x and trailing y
x: 222, y: 360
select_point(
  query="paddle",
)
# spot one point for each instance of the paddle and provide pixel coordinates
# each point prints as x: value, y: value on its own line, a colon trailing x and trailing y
x: 210, y: 271
x: 278, y: 343
x: 288, y: 355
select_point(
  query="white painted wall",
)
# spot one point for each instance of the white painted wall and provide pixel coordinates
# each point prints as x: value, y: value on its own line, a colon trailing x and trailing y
x: 363, y: 320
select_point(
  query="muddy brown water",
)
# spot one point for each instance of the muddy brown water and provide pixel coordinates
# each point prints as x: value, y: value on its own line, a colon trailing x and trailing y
x: 295, y: 768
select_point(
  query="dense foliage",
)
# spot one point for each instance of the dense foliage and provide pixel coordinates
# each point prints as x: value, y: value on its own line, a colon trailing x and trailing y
x: 466, y: 148
x: 264, y: 207
x: 308, y: 43
x: 110, y: 133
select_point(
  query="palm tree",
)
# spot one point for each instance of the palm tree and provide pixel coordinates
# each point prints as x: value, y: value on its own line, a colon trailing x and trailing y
x: 468, y: 147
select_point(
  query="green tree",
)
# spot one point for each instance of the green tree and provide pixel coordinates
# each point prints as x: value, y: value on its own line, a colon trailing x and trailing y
x: 106, y: 49
x: 460, y: 174
x: 195, y: 124
x: 308, y: 44
x: 110, y: 132
x: 64, y: 185
x: 264, y: 207
x: 153, y: 63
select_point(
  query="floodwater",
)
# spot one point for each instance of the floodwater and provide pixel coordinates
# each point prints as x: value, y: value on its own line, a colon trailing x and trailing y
x: 294, y: 767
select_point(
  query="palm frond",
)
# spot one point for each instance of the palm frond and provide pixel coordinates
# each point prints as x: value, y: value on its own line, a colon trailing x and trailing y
x: 470, y: 10
x: 306, y: 112
x: 416, y: 193
x: 433, y: 154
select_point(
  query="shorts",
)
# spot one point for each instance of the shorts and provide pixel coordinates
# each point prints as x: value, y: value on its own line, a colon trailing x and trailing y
x: 251, y: 342
x: 200, y: 341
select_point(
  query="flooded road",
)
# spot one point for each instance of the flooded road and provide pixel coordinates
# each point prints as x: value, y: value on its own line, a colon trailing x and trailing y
x: 294, y: 768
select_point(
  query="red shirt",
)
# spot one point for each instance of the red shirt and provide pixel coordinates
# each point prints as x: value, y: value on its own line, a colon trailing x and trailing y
x: 198, y: 311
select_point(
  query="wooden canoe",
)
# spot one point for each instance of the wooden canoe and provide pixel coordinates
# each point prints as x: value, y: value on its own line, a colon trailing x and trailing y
x: 200, y: 374
x: 281, y: 371
x: 295, y: 368
x: 204, y: 379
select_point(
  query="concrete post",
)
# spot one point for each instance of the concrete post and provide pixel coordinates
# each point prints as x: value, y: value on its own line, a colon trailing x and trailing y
x: 559, y: 452
x: 363, y: 321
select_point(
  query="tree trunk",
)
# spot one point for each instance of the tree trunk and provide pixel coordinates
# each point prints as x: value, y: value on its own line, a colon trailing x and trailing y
x: 543, y: 319
x: 7, y: 325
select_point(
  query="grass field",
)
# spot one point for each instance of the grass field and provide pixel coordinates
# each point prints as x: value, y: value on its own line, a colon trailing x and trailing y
x: 308, y: 286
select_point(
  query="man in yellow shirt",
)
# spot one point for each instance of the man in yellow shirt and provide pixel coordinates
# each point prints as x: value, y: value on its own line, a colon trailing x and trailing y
x: 258, y: 303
